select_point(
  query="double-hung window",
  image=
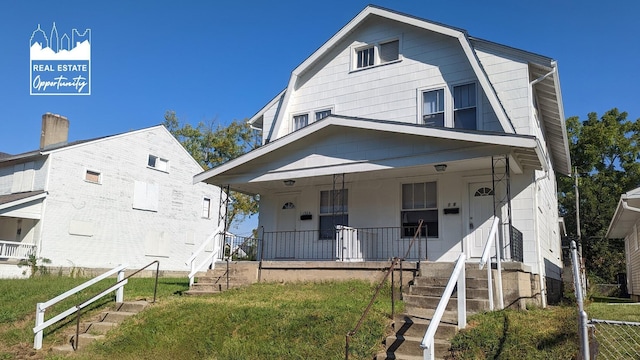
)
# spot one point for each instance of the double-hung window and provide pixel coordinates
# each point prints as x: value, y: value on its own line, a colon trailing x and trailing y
x: 300, y: 121
x: 419, y: 202
x: 433, y: 107
x: 464, y: 106
x: 322, y: 114
x: 334, y: 210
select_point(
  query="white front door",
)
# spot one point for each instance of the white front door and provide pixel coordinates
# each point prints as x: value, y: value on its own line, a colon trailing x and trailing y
x: 286, y: 235
x: 480, y: 213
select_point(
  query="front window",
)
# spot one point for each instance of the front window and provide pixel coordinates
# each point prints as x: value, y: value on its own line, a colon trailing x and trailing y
x: 433, y: 107
x: 419, y: 202
x: 334, y: 210
x: 300, y: 121
x: 464, y: 103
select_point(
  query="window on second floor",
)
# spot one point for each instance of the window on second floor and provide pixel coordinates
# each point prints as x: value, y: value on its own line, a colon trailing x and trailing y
x: 464, y: 106
x: 322, y: 114
x: 433, y: 107
x: 455, y: 109
x: 300, y: 121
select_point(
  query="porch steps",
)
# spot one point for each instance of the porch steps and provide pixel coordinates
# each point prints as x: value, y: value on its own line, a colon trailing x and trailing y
x: 96, y: 330
x: 421, y: 300
x: 215, y: 281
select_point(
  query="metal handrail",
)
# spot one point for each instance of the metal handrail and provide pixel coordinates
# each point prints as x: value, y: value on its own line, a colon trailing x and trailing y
x: 118, y: 287
x: 491, y: 240
x: 458, y: 277
x: 42, y: 307
x: 368, y: 308
x: 235, y: 252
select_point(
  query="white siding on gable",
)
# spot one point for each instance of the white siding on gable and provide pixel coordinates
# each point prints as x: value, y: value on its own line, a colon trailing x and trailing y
x: 510, y: 79
x: 386, y: 92
x: 114, y: 231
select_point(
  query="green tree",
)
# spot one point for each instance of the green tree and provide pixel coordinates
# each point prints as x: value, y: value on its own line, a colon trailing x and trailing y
x: 605, y: 153
x: 212, y: 144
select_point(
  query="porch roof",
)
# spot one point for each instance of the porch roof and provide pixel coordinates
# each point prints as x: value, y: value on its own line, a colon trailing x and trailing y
x: 625, y: 217
x: 341, y: 144
x: 22, y: 205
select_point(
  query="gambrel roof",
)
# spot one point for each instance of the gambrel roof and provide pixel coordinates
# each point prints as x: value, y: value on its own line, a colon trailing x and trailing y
x: 542, y: 69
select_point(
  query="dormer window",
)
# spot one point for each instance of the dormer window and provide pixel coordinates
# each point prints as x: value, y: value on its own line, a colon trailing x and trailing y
x: 376, y: 54
x: 322, y: 114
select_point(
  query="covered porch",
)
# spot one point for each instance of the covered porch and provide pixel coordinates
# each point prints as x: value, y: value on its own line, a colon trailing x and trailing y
x: 20, y: 215
x: 350, y: 189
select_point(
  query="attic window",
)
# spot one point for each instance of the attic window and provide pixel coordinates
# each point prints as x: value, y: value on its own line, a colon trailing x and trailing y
x: 158, y: 163
x: 379, y: 53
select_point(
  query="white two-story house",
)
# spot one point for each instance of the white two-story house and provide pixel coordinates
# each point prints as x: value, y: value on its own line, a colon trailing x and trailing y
x: 120, y: 199
x: 397, y: 119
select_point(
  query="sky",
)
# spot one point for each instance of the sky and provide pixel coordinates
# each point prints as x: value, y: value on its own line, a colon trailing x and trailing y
x: 220, y: 60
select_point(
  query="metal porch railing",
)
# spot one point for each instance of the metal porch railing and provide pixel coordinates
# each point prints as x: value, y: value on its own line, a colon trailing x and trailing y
x: 348, y: 244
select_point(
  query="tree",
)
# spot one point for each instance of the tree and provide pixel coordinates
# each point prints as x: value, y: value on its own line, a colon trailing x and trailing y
x: 605, y: 153
x: 211, y: 145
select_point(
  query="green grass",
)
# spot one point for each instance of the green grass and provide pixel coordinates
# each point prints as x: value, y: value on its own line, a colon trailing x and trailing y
x: 532, y: 334
x: 614, y: 311
x: 264, y: 321
x: 18, y: 298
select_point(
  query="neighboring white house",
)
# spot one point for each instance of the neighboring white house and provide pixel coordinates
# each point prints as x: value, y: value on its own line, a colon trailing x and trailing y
x: 121, y: 199
x: 396, y: 119
x: 625, y: 224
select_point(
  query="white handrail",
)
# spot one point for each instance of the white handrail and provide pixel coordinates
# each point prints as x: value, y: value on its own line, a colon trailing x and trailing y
x: 209, y: 259
x: 457, y: 276
x: 42, y: 307
x: 493, y: 240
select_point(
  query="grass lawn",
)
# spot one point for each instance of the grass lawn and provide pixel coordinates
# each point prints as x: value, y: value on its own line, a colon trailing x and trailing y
x: 264, y: 321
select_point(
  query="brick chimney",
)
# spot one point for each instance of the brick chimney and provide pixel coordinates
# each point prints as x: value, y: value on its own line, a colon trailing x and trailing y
x: 55, y: 130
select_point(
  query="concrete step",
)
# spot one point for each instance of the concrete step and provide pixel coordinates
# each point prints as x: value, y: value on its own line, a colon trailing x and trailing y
x: 427, y: 314
x: 99, y: 328
x: 471, y: 283
x: 431, y: 302
x: 398, y: 345
x: 439, y: 290
x: 117, y: 316
x: 416, y: 327
x: 193, y: 292
x: 132, y: 306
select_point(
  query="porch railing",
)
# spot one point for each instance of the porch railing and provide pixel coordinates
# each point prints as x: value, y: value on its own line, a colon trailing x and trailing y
x: 348, y: 244
x: 16, y: 250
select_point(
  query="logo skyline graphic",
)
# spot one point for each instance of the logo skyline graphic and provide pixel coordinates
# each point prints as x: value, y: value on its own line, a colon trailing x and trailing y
x: 60, y: 65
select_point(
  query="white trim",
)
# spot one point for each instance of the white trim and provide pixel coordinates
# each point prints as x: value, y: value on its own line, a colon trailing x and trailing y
x: 23, y: 201
x: 519, y: 141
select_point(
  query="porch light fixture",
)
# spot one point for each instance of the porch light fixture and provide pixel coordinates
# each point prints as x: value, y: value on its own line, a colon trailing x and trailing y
x: 440, y: 167
x: 289, y: 182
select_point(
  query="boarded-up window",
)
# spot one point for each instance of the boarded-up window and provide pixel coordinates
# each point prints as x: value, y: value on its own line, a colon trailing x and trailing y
x: 389, y: 51
x: 81, y: 228
x: 156, y: 243
x: 92, y: 176
x: 23, y: 175
x: 145, y: 196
